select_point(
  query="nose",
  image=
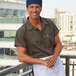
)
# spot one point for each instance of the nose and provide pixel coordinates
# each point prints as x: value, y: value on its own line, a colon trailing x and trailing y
x: 34, y: 9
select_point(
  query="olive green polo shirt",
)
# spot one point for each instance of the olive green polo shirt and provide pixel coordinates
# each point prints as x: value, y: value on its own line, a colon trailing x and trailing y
x: 38, y: 43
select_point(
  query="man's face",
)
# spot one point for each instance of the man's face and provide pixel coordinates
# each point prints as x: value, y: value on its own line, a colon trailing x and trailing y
x: 34, y: 11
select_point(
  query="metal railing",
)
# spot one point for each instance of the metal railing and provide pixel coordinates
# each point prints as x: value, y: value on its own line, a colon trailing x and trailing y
x: 30, y: 72
x: 15, y: 69
x: 68, y: 64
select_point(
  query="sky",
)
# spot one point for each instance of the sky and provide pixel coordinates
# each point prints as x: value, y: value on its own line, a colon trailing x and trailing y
x: 62, y: 5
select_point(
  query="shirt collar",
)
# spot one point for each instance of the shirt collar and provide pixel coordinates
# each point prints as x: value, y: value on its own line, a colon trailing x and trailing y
x: 44, y: 23
x: 30, y: 26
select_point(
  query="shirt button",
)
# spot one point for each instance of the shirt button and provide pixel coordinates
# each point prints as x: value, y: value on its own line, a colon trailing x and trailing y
x: 47, y: 35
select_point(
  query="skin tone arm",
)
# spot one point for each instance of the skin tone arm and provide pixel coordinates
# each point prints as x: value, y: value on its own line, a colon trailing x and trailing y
x: 58, y: 47
x: 23, y: 57
x: 52, y: 60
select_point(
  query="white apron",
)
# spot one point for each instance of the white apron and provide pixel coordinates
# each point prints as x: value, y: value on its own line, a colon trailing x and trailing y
x: 56, y: 70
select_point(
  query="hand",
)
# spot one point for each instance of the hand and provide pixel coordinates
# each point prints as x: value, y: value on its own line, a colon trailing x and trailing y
x: 51, y: 61
x: 44, y: 62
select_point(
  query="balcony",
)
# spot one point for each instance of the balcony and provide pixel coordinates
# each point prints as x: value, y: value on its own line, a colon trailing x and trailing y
x: 11, y: 20
x: 24, y: 69
x: 7, y: 39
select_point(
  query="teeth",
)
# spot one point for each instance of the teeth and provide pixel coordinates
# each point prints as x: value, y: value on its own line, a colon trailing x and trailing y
x: 34, y: 13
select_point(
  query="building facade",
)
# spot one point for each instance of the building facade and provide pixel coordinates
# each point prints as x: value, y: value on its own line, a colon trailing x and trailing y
x: 12, y: 16
x: 65, y: 23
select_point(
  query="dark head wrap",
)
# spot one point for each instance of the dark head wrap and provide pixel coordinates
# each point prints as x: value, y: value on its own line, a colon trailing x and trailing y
x: 28, y: 2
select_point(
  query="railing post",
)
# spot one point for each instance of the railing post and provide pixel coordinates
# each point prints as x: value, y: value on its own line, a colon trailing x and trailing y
x: 67, y: 66
x: 73, y: 70
x: 32, y: 72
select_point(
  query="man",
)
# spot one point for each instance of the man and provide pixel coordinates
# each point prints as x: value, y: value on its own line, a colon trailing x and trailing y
x: 38, y: 43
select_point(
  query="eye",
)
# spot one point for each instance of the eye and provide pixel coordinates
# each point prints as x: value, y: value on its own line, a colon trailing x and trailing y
x: 31, y: 7
x: 37, y: 6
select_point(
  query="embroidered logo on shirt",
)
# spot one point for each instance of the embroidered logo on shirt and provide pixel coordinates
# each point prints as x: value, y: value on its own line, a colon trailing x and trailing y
x: 47, y: 35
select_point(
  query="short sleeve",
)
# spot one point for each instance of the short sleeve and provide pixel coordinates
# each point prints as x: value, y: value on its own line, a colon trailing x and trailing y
x: 54, y: 27
x: 55, y: 30
x: 20, y: 38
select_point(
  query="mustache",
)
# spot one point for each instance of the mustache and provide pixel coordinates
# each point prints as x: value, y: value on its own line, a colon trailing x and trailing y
x: 34, y: 12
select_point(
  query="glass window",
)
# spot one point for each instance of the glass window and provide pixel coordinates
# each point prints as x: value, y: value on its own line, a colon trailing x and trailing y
x: 1, y: 34
x: 9, y: 34
x: 6, y: 34
x: 8, y: 51
x: 12, y: 33
x: 12, y: 13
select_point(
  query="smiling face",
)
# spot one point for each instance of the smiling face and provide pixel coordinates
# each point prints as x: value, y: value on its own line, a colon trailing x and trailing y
x: 34, y: 11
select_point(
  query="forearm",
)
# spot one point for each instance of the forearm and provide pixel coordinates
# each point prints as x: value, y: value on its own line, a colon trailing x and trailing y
x: 28, y: 59
x: 52, y: 60
x: 57, y: 49
x: 23, y: 57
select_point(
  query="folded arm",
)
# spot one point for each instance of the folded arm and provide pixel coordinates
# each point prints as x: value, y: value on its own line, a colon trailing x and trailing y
x: 23, y: 57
